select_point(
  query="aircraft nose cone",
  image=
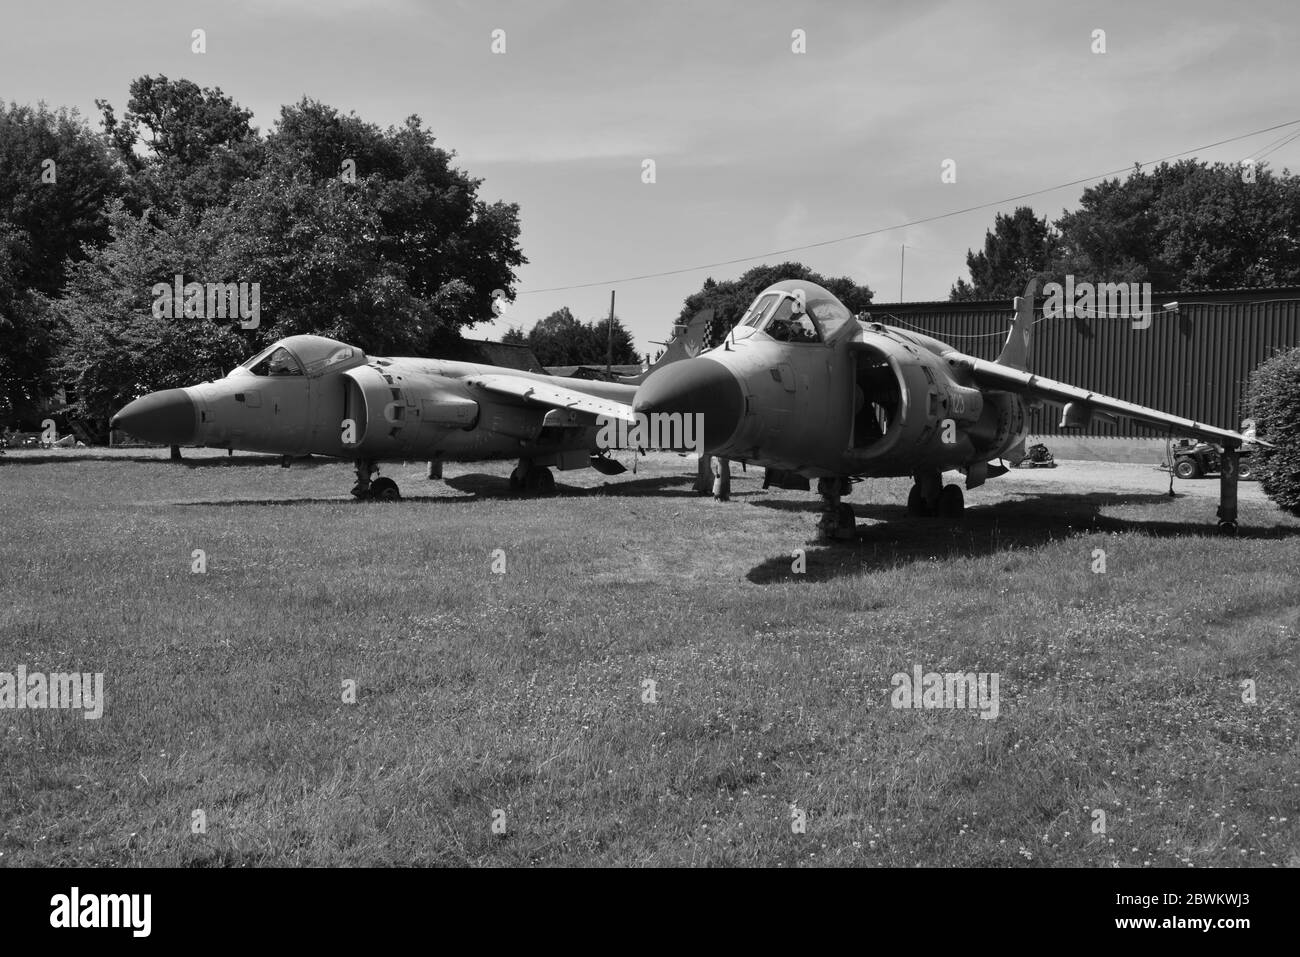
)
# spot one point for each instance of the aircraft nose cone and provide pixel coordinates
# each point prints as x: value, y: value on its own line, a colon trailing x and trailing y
x: 166, y: 417
x: 696, y: 385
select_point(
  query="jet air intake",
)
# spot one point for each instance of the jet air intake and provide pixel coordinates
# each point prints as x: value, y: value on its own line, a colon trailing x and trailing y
x: 389, y: 413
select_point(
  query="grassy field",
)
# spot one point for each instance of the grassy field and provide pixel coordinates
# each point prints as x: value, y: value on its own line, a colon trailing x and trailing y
x: 522, y: 692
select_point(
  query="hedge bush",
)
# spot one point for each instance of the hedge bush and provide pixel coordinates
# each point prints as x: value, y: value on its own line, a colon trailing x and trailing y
x: 1273, y: 401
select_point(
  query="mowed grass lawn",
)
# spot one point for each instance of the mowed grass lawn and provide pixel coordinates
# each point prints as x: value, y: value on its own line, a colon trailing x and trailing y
x: 523, y: 692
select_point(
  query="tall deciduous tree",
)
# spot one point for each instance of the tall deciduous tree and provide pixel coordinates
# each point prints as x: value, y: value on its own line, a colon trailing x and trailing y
x: 184, y: 147
x: 117, y: 348
x: 366, y: 235
x: 317, y: 253
x: 1184, y: 225
x: 433, y: 224
x: 27, y: 335
x: 561, y: 339
x: 55, y: 176
x: 1018, y: 248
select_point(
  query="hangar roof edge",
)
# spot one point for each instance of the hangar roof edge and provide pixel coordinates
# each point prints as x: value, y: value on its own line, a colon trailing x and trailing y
x: 1234, y: 294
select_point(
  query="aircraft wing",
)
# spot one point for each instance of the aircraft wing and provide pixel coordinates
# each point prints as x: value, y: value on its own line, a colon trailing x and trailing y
x: 555, y: 396
x: 997, y: 376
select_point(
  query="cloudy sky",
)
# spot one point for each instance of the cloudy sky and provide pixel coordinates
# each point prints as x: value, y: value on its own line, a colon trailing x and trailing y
x: 757, y: 148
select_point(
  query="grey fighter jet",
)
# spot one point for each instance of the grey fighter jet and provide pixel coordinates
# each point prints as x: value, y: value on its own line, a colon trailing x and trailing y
x: 809, y: 390
x: 312, y: 395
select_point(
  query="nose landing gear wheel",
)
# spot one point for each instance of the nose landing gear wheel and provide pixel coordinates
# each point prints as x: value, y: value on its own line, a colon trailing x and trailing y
x: 385, y: 490
x: 837, y: 522
x: 532, y: 480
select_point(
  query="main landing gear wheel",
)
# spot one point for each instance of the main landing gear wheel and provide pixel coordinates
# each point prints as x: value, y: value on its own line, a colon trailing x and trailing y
x: 837, y: 522
x: 926, y: 496
x: 1227, y: 528
x: 539, y: 481
x: 385, y: 490
x: 930, y: 497
x: 840, y: 525
x: 532, y: 480
x: 364, y: 469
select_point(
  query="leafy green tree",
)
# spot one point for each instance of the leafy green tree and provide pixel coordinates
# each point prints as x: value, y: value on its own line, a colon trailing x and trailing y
x: 1018, y: 248
x: 730, y: 298
x: 317, y: 252
x: 182, y: 146
x: 313, y: 253
x: 1273, y: 400
x: 393, y: 251
x: 27, y: 336
x: 55, y: 176
x: 57, y: 208
x: 1109, y: 238
x: 1215, y: 230
x: 116, y: 348
x: 561, y: 339
x: 433, y: 225
x: 1183, y: 225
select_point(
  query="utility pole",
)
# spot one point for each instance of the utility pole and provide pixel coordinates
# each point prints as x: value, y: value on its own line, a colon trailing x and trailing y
x: 609, y: 345
x: 902, y: 259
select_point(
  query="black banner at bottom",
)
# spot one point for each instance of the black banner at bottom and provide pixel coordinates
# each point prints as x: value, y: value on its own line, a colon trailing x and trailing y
x: 145, y: 906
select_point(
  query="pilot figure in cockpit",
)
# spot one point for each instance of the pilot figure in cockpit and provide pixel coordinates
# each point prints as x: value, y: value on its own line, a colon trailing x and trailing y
x: 281, y: 363
x: 791, y: 324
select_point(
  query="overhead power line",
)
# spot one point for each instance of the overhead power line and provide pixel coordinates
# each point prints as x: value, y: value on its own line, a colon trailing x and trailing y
x: 913, y: 222
x: 1274, y: 147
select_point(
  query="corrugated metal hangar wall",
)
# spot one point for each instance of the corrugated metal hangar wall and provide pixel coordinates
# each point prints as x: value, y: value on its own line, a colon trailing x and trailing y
x: 1194, y: 361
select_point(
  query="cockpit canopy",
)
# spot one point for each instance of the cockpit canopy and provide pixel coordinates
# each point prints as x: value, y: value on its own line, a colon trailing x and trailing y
x: 796, y: 310
x: 309, y: 356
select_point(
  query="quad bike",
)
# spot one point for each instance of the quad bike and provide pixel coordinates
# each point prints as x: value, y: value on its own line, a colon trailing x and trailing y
x: 1193, y: 460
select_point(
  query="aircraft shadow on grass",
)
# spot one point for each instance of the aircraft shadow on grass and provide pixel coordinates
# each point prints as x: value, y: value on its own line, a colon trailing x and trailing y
x: 223, y: 461
x: 309, y: 462
x: 899, y: 538
x: 891, y: 537
x: 311, y: 500
x: 483, y: 486
x: 473, y: 488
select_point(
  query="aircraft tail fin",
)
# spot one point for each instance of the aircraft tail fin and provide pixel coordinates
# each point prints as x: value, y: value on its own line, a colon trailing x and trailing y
x: 1015, y: 352
x: 687, y: 342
